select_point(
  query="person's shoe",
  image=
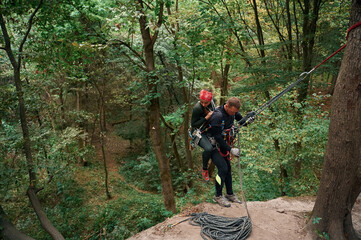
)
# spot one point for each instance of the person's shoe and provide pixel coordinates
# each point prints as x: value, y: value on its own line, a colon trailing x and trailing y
x: 205, y: 175
x: 233, y: 198
x: 222, y: 201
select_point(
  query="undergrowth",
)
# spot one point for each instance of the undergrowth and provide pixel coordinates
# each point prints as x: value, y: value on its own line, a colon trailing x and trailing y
x: 75, y: 200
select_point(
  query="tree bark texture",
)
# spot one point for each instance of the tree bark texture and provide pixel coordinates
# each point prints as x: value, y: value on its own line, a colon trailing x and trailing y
x: 224, y: 85
x: 186, y: 124
x: 310, y: 10
x: 341, y: 177
x: 154, y: 109
x: 8, y: 230
x: 45, y: 222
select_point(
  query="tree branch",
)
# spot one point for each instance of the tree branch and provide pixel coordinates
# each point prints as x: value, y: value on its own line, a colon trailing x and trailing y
x: 159, y: 23
x: 274, y: 23
x: 30, y: 24
x: 303, y: 10
x: 8, y: 230
x: 132, y: 50
x: 136, y: 64
x: 7, y: 47
x: 45, y: 222
x: 168, y: 125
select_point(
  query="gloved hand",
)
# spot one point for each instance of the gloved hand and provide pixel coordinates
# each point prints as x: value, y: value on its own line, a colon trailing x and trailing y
x: 251, y: 116
x: 235, y: 152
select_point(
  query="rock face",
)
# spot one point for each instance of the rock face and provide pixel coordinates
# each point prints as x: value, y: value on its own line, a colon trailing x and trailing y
x: 277, y: 219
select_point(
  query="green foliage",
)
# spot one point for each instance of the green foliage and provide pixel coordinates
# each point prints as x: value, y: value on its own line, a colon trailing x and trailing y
x: 124, y: 217
x: 80, y: 51
x: 142, y: 171
x: 175, y: 118
x: 323, y: 235
x: 316, y: 220
x: 263, y: 161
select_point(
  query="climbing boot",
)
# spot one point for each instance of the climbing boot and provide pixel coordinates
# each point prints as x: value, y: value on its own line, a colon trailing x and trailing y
x: 205, y: 175
x: 222, y: 201
x: 233, y: 198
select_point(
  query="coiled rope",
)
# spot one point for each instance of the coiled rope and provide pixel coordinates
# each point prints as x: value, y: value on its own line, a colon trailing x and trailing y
x: 221, y: 228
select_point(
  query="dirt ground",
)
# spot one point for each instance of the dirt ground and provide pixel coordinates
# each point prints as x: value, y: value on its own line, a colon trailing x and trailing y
x: 277, y: 219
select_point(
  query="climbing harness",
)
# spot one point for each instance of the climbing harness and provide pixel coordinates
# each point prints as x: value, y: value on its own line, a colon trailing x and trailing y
x: 229, y: 136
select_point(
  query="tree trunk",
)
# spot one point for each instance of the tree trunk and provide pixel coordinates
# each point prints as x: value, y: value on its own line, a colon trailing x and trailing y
x: 289, y: 33
x: 259, y: 30
x: 163, y: 160
x: 102, y: 142
x: 310, y: 17
x: 297, y: 32
x: 45, y: 222
x: 310, y: 9
x: 8, y: 230
x: 186, y: 96
x: 80, y: 140
x: 175, y: 151
x: 297, y: 164
x: 102, y: 125
x: 186, y: 124
x: 154, y: 109
x: 341, y: 177
x: 224, y: 87
x: 16, y: 64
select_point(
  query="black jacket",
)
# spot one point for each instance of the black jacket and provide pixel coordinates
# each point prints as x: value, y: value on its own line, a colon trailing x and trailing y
x: 219, y: 121
x: 198, y: 115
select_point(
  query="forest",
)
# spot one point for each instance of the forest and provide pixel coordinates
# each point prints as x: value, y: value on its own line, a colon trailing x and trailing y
x: 96, y: 98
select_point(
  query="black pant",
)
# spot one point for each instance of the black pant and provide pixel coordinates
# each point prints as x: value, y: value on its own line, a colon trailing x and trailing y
x: 207, y: 147
x: 224, y: 174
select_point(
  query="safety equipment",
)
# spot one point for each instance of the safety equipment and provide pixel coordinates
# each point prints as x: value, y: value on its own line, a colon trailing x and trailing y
x: 194, y: 138
x: 205, y: 95
x: 235, y: 152
x: 251, y: 116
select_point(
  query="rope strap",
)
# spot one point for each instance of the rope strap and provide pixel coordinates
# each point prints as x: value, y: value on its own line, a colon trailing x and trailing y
x: 223, y: 155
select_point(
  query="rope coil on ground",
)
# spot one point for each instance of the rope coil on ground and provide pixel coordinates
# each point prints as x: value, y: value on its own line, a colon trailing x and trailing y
x: 221, y: 228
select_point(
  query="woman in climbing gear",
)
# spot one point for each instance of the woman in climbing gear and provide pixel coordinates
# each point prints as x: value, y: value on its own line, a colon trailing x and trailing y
x: 202, y: 112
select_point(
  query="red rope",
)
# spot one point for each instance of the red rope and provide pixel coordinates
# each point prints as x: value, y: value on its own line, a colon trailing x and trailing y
x: 329, y: 57
x: 223, y: 155
x: 348, y: 31
x: 352, y: 27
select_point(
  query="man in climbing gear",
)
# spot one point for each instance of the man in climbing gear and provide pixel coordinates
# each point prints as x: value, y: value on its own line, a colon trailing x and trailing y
x: 202, y: 112
x: 223, y: 132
